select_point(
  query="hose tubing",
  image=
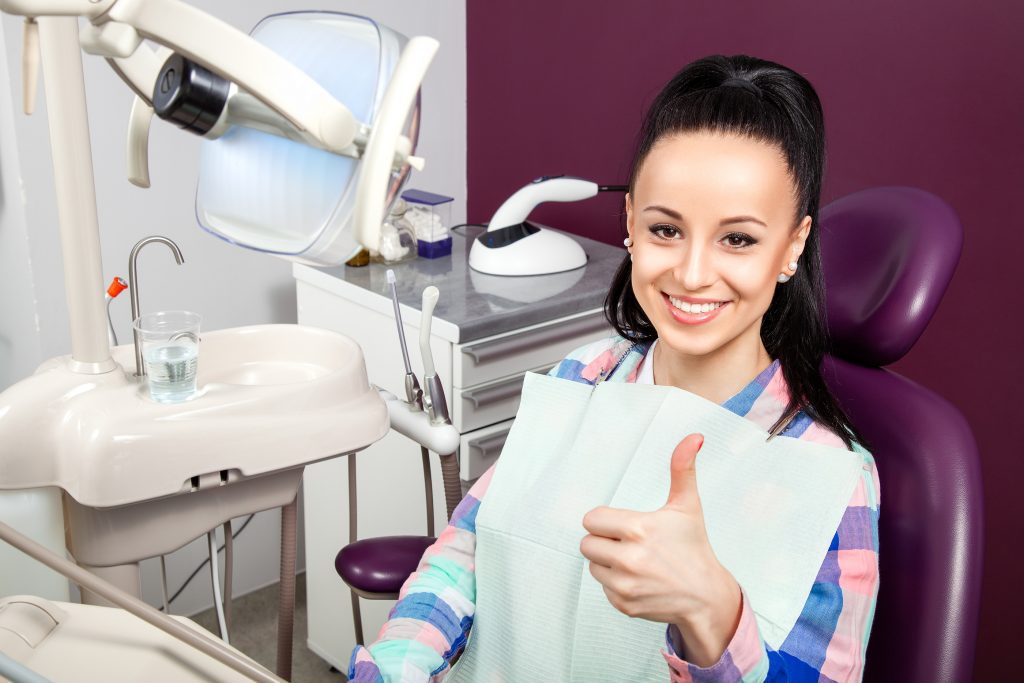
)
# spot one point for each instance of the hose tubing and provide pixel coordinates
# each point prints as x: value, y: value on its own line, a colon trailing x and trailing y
x: 452, y: 484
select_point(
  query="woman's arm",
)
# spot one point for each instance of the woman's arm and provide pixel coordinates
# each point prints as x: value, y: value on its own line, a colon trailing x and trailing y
x: 431, y: 620
x: 830, y: 637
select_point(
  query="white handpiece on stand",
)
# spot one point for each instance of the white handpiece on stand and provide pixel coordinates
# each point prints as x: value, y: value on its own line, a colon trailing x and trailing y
x: 512, y: 246
x: 433, y: 393
x: 518, y: 207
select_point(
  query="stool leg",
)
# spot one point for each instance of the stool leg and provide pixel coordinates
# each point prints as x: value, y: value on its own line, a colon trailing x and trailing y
x: 357, y: 619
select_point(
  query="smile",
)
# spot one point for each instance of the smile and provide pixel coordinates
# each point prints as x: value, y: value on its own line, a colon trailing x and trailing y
x: 693, y: 313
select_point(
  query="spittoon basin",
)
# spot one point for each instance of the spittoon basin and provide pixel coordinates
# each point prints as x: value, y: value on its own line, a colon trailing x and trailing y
x: 270, y: 398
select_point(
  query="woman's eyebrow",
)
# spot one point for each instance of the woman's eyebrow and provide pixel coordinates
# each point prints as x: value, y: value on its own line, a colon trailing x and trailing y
x: 728, y: 221
x: 743, y: 219
x: 668, y: 212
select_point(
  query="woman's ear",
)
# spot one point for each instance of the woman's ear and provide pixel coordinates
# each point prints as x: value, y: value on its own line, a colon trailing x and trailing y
x: 800, y: 236
x: 629, y: 215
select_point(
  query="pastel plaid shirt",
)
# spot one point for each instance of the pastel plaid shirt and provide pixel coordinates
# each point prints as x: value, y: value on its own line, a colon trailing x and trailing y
x: 431, y: 621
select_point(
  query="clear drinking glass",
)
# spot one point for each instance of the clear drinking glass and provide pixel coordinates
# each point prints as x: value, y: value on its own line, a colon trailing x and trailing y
x: 170, y: 353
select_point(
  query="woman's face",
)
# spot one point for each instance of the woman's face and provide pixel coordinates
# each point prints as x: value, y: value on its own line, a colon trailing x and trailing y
x: 712, y: 221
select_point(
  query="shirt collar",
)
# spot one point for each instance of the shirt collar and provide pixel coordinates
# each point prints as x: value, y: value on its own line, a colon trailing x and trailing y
x: 762, y: 401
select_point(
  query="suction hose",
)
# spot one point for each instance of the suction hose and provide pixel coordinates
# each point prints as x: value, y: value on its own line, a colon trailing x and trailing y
x: 452, y: 483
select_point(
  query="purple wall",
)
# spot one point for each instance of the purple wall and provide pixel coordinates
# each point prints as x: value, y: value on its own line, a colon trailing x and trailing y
x: 928, y: 93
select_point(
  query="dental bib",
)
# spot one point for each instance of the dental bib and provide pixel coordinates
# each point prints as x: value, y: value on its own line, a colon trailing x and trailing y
x: 771, y: 510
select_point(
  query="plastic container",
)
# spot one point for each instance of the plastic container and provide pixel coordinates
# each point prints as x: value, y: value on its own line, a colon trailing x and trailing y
x: 397, y: 237
x: 431, y: 216
x: 271, y: 194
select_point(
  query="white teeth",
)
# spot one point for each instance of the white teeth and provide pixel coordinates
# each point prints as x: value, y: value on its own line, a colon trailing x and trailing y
x: 686, y: 307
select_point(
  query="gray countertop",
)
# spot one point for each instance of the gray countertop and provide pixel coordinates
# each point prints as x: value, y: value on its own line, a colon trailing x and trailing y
x: 479, y: 305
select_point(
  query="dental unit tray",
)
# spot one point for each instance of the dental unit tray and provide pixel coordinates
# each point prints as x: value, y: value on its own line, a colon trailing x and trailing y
x: 272, y: 398
x: 272, y: 194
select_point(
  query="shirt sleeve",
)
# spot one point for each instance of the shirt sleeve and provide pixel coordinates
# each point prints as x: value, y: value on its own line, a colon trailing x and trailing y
x: 429, y: 624
x: 830, y: 637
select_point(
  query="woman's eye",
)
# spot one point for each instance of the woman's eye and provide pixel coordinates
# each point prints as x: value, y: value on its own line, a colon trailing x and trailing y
x: 738, y: 240
x: 664, y: 231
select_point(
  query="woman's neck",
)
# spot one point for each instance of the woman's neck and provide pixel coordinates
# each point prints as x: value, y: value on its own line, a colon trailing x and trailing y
x: 717, y: 376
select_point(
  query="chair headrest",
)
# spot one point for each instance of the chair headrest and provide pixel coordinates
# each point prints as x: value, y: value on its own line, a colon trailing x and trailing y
x: 888, y: 254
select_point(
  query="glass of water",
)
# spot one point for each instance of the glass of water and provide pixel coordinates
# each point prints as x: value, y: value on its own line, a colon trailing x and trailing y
x: 170, y: 353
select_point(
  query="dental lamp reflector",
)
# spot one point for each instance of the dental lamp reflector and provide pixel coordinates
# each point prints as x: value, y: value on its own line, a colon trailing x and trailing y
x: 266, y: 192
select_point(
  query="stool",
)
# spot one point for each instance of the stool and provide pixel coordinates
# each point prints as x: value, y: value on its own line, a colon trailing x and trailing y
x: 376, y: 568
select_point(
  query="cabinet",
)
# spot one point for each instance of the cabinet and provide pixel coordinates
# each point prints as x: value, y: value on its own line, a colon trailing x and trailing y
x: 482, y: 343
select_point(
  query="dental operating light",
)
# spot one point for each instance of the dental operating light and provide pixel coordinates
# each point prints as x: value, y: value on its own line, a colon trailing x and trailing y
x: 320, y: 107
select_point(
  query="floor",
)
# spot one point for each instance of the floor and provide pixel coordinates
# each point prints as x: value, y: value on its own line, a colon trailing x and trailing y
x: 254, y: 632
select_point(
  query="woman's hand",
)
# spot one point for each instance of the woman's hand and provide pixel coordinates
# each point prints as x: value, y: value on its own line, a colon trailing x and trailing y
x: 659, y: 565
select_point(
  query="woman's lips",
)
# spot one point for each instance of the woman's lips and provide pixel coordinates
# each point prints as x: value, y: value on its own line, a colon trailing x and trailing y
x: 692, y: 318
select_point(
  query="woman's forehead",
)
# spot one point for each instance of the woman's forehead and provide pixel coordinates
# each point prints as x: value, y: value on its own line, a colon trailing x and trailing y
x: 717, y: 172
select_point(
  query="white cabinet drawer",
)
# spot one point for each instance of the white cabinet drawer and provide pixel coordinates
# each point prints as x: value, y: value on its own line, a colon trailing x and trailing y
x: 486, y: 404
x: 484, y: 361
x: 480, y: 449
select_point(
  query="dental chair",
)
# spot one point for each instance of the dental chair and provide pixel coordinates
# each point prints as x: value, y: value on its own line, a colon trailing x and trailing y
x: 888, y: 254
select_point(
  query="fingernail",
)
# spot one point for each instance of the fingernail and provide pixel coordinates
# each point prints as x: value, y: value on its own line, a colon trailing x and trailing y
x: 701, y: 442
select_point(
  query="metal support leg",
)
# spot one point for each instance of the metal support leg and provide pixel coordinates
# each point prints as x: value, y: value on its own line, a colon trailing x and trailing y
x: 357, y: 619
x: 286, y: 596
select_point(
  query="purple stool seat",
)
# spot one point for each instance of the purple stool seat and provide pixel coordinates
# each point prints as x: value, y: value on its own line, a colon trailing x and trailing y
x: 382, y: 564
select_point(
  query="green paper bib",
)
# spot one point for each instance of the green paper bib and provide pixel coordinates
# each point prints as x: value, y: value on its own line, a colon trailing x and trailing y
x: 771, y: 509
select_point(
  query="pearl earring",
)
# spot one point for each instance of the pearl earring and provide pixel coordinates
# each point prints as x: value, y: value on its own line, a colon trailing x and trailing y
x: 628, y: 242
x: 783, y: 277
x: 793, y: 265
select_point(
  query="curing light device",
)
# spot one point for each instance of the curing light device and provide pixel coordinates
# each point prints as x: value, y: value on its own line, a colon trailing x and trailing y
x: 514, y: 246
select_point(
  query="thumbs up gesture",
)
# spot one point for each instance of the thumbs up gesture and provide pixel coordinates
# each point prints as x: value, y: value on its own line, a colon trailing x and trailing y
x: 659, y: 565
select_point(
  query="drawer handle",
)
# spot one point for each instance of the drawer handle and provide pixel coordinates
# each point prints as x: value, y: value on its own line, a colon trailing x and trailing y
x: 528, y: 341
x: 489, y: 444
x: 485, y: 396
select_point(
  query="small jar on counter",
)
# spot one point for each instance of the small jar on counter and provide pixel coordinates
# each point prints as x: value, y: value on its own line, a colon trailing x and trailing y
x: 430, y: 215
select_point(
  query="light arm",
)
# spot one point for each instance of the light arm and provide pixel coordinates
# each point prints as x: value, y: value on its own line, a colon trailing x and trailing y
x: 217, y: 46
x: 234, y: 55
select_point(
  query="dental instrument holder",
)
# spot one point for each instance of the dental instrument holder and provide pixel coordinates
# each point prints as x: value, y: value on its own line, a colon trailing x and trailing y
x: 413, y: 393
x: 133, y: 290
x: 433, y: 392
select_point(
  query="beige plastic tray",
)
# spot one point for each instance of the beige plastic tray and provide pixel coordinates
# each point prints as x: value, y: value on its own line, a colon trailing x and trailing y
x: 69, y: 642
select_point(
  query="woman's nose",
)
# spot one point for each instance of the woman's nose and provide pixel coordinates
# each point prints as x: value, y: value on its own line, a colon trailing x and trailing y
x: 694, y: 271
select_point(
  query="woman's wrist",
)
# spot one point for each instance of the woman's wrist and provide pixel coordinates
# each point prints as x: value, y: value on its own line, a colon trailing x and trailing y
x: 706, y: 633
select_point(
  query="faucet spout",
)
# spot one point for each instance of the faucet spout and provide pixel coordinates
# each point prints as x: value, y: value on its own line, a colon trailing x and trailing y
x: 133, y: 288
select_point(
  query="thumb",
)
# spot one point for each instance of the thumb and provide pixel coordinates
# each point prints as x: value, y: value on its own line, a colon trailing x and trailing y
x: 683, y: 484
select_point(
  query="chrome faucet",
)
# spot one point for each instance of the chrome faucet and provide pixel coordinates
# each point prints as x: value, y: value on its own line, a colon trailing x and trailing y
x: 133, y: 289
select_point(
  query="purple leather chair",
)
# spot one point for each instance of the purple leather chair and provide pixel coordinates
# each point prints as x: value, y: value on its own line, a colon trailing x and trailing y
x: 887, y: 255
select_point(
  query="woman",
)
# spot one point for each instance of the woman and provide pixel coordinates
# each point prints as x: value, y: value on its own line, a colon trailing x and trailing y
x: 720, y: 295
